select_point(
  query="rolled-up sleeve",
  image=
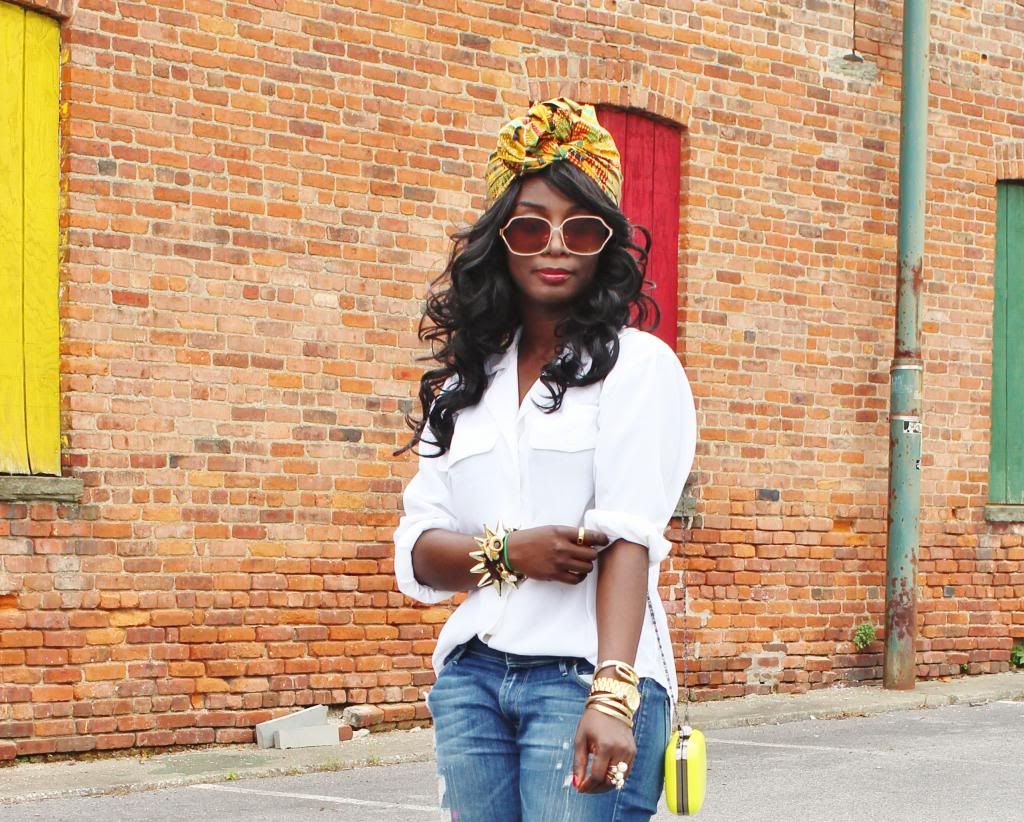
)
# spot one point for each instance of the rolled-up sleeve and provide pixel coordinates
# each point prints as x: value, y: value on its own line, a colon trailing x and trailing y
x: 428, y: 504
x: 645, y: 447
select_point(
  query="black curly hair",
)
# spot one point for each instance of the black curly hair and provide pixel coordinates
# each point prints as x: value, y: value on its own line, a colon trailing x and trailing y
x: 473, y: 309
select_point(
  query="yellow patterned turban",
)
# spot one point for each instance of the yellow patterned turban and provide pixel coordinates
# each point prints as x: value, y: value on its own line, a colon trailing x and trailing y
x: 558, y: 129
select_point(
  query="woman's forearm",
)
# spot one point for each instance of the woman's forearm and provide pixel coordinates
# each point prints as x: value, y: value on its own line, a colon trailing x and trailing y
x: 621, y: 598
x: 555, y: 553
x: 440, y: 559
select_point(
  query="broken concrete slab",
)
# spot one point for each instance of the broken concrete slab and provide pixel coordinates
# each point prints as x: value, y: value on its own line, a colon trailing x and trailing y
x: 306, y: 737
x: 317, y: 715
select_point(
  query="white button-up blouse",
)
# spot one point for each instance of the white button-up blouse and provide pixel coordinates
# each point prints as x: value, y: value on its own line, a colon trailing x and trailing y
x: 614, y: 458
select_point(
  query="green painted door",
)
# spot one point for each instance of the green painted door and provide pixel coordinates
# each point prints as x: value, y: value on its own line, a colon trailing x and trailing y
x: 1006, y: 474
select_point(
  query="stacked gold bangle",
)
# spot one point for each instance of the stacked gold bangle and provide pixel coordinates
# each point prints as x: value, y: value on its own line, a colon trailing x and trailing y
x: 618, y: 698
x: 623, y: 669
x: 611, y: 706
x: 492, y: 559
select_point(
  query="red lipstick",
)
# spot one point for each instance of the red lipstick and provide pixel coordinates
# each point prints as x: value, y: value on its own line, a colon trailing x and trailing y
x: 553, y: 276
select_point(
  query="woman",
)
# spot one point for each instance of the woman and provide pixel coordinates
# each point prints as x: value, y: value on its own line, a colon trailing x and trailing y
x: 558, y: 438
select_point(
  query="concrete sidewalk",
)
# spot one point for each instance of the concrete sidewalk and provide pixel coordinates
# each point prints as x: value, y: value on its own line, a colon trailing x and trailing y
x: 29, y: 782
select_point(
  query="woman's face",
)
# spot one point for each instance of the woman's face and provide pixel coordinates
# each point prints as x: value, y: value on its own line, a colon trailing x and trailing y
x: 539, y: 198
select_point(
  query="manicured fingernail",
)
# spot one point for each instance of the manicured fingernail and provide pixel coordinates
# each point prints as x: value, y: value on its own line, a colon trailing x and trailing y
x: 574, y: 780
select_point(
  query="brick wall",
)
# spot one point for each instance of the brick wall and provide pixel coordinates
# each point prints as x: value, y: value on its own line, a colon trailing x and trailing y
x: 256, y: 198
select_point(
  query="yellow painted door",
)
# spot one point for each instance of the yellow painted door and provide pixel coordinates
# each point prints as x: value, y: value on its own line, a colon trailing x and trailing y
x: 29, y: 236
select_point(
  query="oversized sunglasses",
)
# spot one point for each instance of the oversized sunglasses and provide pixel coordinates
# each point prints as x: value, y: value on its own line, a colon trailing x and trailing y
x: 527, y: 235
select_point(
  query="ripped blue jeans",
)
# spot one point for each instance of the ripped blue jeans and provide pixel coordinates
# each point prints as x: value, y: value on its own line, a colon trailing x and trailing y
x: 505, y: 728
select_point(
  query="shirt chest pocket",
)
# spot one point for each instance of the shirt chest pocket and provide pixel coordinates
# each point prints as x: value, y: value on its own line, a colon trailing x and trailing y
x: 475, y: 474
x: 562, y: 449
x: 471, y: 457
x: 571, y: 429
x: 473, y: 437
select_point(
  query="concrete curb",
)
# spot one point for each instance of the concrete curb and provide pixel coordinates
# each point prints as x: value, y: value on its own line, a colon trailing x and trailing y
x: 855, y: 712
x: 210, y: 778
x: 25, y: 783
x: 864, y: 701
x: 30, y: 782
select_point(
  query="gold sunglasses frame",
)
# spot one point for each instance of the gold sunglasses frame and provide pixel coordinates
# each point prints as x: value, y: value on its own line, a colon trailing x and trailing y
x: 553, y: 228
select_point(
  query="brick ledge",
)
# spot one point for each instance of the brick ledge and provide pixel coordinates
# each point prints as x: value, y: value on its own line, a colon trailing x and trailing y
x: 1004, y: 513
x: 24, y: 488
x: 61, y: 9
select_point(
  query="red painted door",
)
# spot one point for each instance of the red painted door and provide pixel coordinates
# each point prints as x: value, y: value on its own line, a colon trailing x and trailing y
x: 650, y: 152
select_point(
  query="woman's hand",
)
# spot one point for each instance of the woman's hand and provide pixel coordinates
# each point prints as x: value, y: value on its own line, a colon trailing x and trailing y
x: 550, y: 552
x: 610, y: 741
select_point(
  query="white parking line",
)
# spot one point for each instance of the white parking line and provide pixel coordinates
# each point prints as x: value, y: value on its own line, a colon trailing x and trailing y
x: 902, y: 754
x: 339, y: 800
x: 714, y: 741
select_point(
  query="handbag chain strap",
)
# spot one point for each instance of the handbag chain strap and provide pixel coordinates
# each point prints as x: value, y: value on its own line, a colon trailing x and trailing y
x: 664, y: 661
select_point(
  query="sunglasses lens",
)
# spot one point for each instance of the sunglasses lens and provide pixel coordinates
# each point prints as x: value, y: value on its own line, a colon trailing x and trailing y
x: 584, y: 235
x: 527, y: 235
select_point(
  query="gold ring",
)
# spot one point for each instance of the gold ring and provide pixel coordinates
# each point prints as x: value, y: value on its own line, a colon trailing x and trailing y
x: 580, y: 535
x: 617, y: 775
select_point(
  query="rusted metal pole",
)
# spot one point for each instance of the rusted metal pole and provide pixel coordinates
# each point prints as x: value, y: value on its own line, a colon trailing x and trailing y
x: 904, y: 526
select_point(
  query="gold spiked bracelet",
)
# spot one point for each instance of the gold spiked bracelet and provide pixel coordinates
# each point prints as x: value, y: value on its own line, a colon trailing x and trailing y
x: 492, y: 559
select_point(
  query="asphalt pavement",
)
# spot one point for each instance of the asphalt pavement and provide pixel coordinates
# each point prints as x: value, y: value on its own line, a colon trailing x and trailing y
x: 888, y: 761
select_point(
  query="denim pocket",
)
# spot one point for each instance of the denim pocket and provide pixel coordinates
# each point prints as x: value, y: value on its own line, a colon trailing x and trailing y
x: 582, y: 673
x: 452, y: 659
x: 449, y: 662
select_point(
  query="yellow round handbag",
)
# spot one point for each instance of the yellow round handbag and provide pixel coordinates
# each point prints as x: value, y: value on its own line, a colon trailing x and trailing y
x: 686, y: 760
x: 686, y: 771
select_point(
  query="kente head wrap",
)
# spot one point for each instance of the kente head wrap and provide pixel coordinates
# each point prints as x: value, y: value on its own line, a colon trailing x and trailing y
x: 558, y: 129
